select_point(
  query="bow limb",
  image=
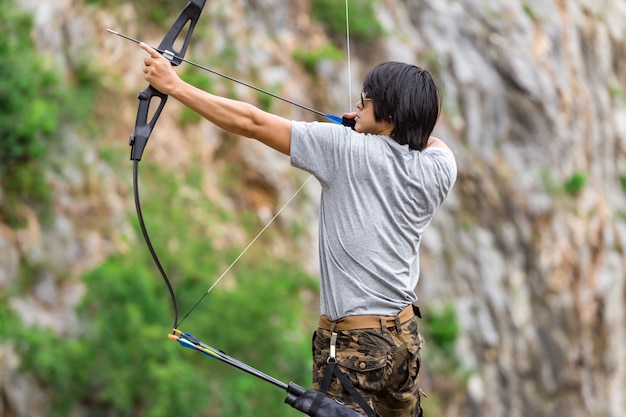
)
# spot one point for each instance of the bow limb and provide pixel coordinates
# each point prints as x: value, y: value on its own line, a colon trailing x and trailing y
x: 144, y: 123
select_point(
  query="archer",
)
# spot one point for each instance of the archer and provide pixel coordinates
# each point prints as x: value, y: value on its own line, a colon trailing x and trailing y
x: 381, y: 185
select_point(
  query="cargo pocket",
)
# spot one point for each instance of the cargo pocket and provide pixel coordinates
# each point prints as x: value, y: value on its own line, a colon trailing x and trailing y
x: 364, y: 371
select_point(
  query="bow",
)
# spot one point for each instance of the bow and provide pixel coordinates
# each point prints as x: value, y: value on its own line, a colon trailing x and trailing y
x: 144, y: 125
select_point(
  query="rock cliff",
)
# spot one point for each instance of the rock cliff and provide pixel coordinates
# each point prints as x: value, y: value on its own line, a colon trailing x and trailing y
x: 529, y: 249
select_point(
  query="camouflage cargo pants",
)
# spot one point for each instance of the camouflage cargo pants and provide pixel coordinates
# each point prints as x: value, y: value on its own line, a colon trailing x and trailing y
x: 382, y: 364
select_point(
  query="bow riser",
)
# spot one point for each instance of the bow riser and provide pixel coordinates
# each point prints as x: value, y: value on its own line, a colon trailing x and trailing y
x: 188, y: 18
x: 143, y: 128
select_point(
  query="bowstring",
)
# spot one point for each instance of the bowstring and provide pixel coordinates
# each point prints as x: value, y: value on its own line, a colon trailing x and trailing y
x: 258, y: 235
x: 232, y: 264
x: 348, y: 54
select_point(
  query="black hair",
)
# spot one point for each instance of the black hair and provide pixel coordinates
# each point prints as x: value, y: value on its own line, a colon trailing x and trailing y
x: 408, y: 95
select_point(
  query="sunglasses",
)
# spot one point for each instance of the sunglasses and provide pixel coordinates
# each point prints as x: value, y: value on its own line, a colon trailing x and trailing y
x: 364, y: 99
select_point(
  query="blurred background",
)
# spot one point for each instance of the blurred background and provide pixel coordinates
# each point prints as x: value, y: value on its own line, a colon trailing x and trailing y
x: 523, y: 269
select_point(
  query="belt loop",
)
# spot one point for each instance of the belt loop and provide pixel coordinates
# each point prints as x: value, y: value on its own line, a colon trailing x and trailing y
x: 398, y: 324
x: 383, y: 324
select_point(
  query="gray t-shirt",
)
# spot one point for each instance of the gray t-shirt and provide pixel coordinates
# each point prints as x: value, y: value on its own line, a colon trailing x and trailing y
x: 377, y: 199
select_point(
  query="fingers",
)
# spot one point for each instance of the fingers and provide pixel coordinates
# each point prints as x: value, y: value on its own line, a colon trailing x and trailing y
x: 157, y: 69
x: 350, y: 115
x: 150, y: 50
x: 149, y: 60
x: 153, y: 54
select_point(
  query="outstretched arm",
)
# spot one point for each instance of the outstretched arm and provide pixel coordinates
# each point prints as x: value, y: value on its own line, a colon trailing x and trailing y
x: 231, y: 115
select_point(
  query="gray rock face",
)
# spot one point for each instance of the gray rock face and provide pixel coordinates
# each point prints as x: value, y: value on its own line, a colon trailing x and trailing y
x: 534, y: 97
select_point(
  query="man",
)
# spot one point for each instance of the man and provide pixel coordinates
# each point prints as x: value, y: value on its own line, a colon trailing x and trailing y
x: 381, y: 184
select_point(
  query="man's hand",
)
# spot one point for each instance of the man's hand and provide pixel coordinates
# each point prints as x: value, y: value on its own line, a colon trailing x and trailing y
x: 348, y: 120
x: 158, y: 71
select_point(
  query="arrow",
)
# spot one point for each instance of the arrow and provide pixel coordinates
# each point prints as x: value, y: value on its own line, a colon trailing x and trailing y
x: 174, y: 58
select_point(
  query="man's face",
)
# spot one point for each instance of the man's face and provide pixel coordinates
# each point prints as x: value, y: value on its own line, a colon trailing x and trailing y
x: 365, y: 120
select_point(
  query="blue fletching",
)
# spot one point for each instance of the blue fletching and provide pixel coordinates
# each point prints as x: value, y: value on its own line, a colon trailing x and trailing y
x: 192, y: 338
x: 186, y: 343
x: 333, y: 118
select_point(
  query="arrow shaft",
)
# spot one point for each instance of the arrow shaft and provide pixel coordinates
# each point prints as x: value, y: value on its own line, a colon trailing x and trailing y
x: 169, y: 55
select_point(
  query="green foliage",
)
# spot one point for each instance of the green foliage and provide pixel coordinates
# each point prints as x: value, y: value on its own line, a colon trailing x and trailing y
x: 433, y: 405
x: 121, y: 362
x: 575, y: 184
x: 226, y: 61
x: 160, y: 11
x: 265, y: 101
x: 79, y: 96
x: 311, y: 58
x: 442, y: 329
x: 228, y: 57
x: 530, y: 12
x: 548, y: 182
x: 572, y: 186
x: 622, y: 180
x: 618, y: 93
x: 434, y: 64
x: 364, y: 26
x: 441, y: 332
x: 35, y: 105
x: 30, y: 101
x: 200, y: 79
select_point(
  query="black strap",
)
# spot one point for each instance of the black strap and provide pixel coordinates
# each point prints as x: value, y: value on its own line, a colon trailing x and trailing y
x: 333, y: 369
x: 324, y: 386
x: 328, y: 375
